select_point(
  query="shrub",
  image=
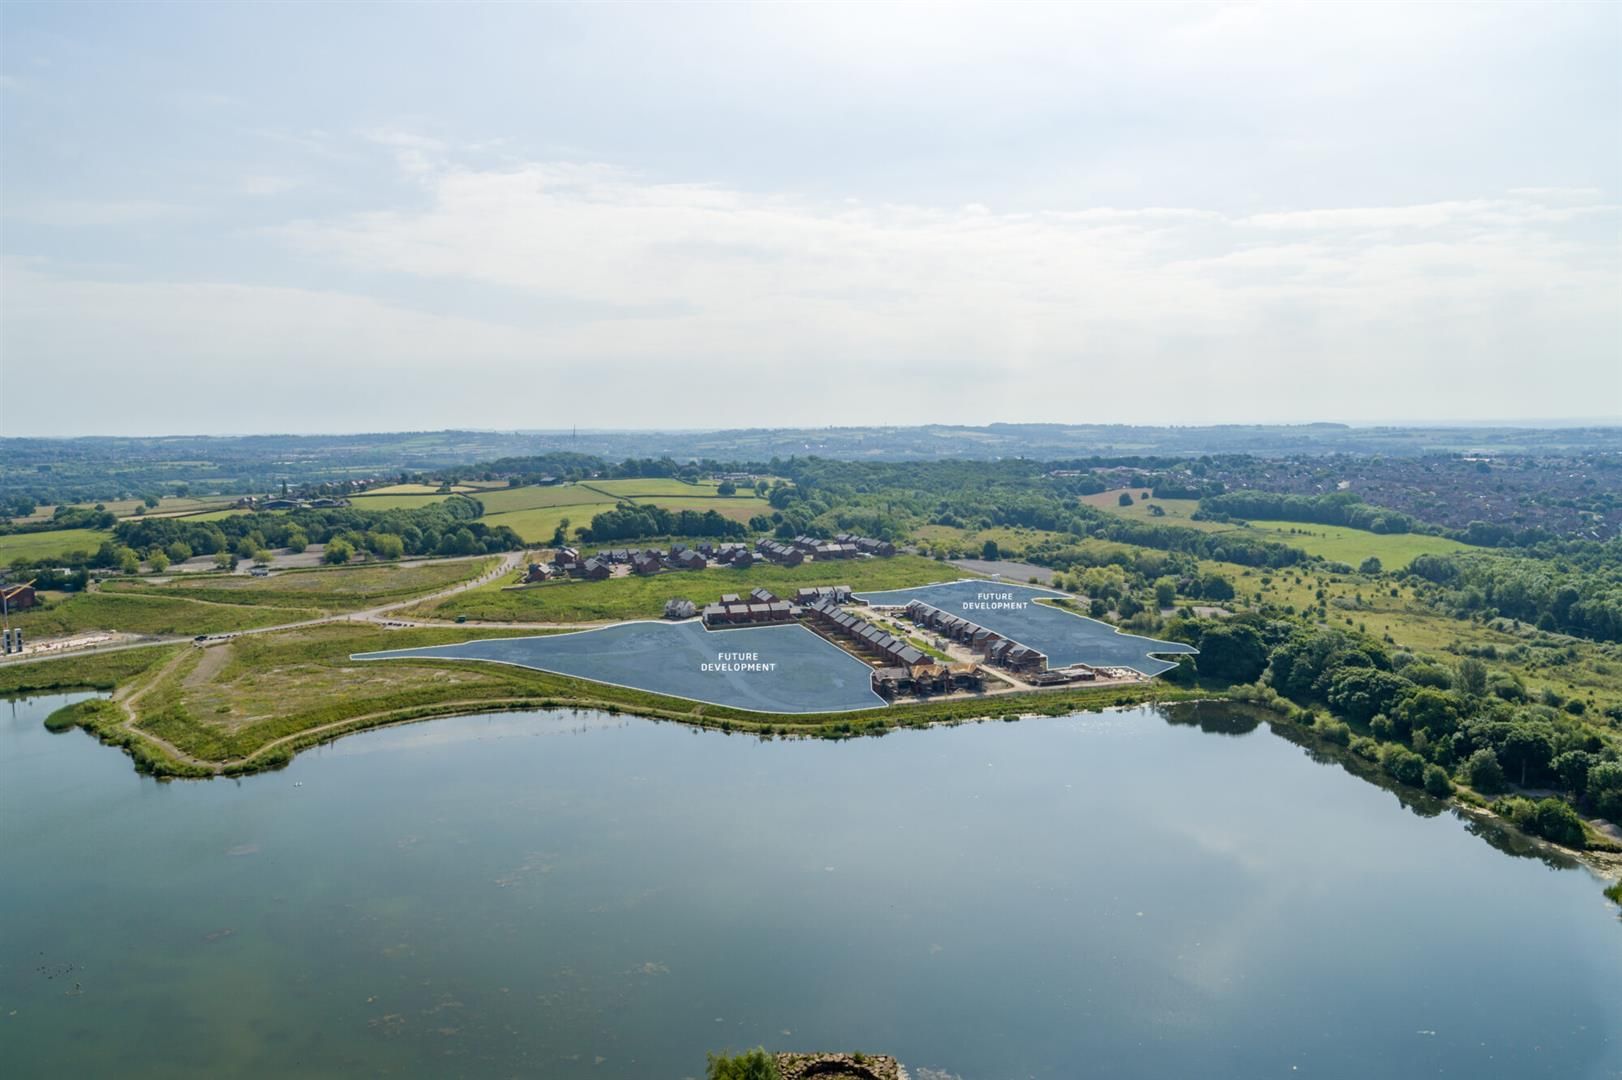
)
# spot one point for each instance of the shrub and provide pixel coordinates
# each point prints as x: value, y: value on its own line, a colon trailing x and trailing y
x: 1437, y: 782
x: 754, y: 1064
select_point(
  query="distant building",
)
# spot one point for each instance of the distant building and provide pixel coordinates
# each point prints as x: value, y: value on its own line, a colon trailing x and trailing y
x: 688, y: 560
x: 594, y: 570
x: 680, y: 609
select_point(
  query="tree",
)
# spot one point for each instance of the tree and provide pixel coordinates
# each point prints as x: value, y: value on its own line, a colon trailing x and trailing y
x: 1472, y: 677
x: 1125, y: 499
x: 990, y: 552
x: 1360, y: 693
x: 387, y: 546
x: 1232, y: 652
x: 1483, y: 772
x: 1526, y: 749
x: 1370, y: 565
x: 158, y: 561
x: 225, y: 560
x: 1216, y: 587
x: 262, y: 557
x: 178, y: 551
x: 150, y: 501
x: 1605, y: 789
x: 1165, y: 592
x: 337, y: 552
x: 726, y: 488
x: 297, y: 541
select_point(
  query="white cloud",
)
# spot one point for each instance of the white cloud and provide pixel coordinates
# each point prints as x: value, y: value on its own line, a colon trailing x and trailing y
x: 92, y: 213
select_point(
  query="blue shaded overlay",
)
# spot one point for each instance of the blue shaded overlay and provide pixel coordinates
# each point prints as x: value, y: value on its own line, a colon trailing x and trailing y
x: 809, y: 674
x: 1067, y: 638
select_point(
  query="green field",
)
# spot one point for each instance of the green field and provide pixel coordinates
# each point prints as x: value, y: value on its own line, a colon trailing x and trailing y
x: 50, y: 545
x: 1177, y: 511
x: 733, y: 508
x: 536, y: 526
x: 644, y: 597
x: 652, y: 486
x: 505, y: 500
x: 1338, y: 543
x: 133, y: 613
x: 395, y: 502
x: 330, y: 589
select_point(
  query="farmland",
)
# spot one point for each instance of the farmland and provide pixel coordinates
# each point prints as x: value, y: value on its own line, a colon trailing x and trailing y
x: 50, y: 545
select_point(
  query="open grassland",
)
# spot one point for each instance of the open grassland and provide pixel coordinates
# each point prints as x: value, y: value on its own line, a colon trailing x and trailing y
x: 50, y: 545
x: 133, y: 613
x: 644, y: 597
x: 1176, y: 511
x: 535, y: 497
x: 329, y: 589
x: 733, y: 508
x: 1338, y: 543
x: 252, y: 703
x: 1013, y: 543
x: 537, y: 526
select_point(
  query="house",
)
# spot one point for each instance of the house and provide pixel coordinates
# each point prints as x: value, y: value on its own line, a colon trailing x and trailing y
x: 731, y: 598
x: 18, y: 597
x: 743, y: 560
x: 780, y: 553
x: 714, y: 614
x: 646, y: 563
x: 567, y: 558
x: 594, y: 570
x: 867, y: 545
x: 536, y: 572
x: 687, y: 560
x: 680, y: 609
x: 762, y: 596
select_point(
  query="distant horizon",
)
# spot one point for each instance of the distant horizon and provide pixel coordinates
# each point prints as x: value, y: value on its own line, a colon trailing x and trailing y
x: 1432, y: 425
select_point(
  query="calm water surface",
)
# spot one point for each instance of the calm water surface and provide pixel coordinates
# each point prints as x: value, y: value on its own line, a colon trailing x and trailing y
x: 576, y: 895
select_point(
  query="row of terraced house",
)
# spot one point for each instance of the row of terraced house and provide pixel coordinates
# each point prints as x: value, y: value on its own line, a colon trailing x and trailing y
x: 996, y: 648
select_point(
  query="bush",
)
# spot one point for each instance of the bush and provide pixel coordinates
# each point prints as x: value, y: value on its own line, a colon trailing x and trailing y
x: 754, y: 1064
x: 1335, y: 731
x: 1437, y: 782
x: 1554, y: 820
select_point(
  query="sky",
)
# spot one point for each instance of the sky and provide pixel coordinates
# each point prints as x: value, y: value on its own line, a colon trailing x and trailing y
x: 220, y: 218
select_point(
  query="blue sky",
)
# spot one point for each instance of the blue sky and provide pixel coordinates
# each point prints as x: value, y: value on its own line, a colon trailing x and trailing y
x: 254, y: 217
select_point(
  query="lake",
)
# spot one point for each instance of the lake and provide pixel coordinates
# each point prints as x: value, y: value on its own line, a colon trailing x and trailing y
x: 569, y: 894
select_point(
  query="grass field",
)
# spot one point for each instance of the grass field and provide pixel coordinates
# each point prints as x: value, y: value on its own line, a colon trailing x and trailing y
x: 1340, y: 544
x: 331, y: 590
x: 411, y: 489
x: 395, y: 502
x: 652, y: 486
x: 536, y: 526
x: 505, y: 500
x: 731, y: 508
x: 1177, y: 511
x: 136, y: 613
x: 49, y: 545
x: 640, y: 598
x: 1336, y: 543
